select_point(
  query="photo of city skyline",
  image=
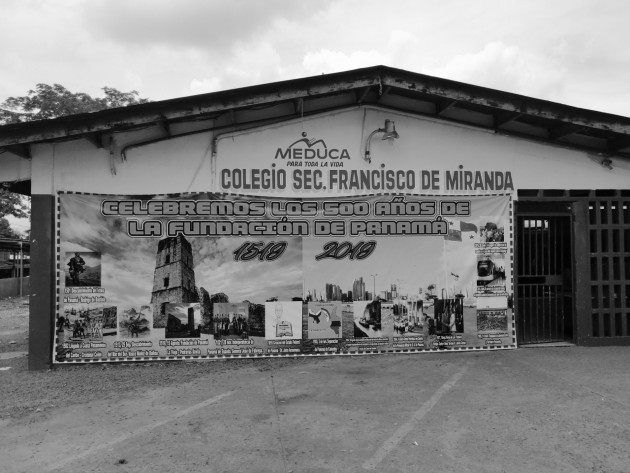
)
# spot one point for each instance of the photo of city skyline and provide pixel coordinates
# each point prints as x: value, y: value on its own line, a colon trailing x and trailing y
x: 408, y: 263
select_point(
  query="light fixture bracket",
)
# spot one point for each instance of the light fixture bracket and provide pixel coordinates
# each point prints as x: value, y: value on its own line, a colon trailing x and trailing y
x: 389, y: 133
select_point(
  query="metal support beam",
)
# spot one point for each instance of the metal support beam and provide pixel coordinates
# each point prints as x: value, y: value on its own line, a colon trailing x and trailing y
x: 164, y: 126
x: 96, y: 139
x: 384, y: 92
x: 442, y: 106
x: 618, y: 144
x: 558, y: 132
x: 503, y: 118
x: 364, y: 94
x: 112, y: 160
x: 23, y: 151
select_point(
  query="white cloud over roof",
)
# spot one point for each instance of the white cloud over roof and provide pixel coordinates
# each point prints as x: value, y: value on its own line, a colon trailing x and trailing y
x: 566, y: 51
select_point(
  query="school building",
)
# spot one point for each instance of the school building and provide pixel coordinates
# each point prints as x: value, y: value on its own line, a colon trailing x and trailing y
x: 379, y: 130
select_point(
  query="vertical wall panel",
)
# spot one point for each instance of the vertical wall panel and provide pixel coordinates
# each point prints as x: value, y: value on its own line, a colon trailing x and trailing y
x: 43, y: 277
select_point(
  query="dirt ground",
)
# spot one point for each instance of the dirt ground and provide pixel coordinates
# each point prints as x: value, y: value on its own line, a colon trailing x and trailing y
x: 14, y: 324
x: 526, y: 410
x: 23, y: 392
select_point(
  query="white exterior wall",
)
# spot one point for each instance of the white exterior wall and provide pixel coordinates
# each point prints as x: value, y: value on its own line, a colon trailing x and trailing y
x: 185, y: 164
x: 176, y: 165
x: 434, y: 145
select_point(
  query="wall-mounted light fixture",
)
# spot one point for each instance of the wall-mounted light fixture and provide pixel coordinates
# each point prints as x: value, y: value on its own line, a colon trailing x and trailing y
x: 389, y: 133
x: 602, y: 159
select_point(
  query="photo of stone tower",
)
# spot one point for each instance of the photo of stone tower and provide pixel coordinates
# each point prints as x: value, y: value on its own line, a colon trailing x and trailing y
x: 174, y: 276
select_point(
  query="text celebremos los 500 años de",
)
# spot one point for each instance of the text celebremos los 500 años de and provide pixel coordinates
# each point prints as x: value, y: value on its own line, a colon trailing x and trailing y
x: 288, y: 218
x: 397, y: 215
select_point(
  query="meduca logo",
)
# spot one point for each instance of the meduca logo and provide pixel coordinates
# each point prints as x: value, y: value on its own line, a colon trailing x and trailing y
x: 314, y: 149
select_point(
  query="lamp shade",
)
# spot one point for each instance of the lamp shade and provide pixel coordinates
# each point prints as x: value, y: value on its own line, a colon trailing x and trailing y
x: 390, y: 130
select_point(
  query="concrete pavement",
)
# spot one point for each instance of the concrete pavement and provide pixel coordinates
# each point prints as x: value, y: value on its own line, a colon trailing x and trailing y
x: 536, y: 410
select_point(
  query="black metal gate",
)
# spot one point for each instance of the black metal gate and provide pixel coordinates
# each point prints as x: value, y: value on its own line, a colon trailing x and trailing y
x: 543, y: 275
x: 609, y: 268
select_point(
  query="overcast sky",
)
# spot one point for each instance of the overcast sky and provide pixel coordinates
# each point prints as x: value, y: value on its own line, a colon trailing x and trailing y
x: 569, y: 51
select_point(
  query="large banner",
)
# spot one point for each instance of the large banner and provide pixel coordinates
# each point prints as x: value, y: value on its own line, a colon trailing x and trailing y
x: 222, y: 275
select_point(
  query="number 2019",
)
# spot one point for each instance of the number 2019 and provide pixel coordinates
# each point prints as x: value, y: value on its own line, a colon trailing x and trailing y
x: 336, y: 250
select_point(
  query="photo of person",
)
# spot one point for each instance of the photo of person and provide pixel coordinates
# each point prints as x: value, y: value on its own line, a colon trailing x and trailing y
x: 231, y: 320
x: 283, y: 320
x: 135, y: 323
x: 491, y: 232
x: 82, y: 323
x: 83, y: 268
x: 449, y: 315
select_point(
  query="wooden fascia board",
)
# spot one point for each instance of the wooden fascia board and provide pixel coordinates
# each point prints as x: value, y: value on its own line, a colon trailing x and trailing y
x: 505, y: 101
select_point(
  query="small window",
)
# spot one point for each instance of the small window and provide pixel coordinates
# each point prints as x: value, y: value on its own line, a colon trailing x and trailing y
x: 168, y: 259
x: 166, y: 281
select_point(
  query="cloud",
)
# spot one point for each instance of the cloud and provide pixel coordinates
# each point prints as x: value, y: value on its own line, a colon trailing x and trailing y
x: 510, y: 68
x: 252, y: 64
x: 563, y: 51
x: 19, y: 225
x: 325, y: 61
x: 399, y: 46
x: 205, y: 85
x: 211, y: 24
x: 254, y: 280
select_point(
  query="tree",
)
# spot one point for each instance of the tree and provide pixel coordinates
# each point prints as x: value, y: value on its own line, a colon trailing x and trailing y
x: 6, y: 231
x: 51, y: 101
x: 13, y: 204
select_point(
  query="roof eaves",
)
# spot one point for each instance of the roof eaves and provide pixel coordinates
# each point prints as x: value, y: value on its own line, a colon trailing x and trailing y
x: 182, y: 108
x: 493, y: 102
x: 501, y: 101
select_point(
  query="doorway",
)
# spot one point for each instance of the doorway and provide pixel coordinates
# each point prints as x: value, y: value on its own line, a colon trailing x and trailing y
x: 544, y: 272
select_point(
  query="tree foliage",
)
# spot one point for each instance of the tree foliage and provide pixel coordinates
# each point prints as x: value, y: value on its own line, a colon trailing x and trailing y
x: 6, y: 231
x: 45, y: 102
x: 16, y: 205
x: 52, y: 101
x: 13, y: 204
